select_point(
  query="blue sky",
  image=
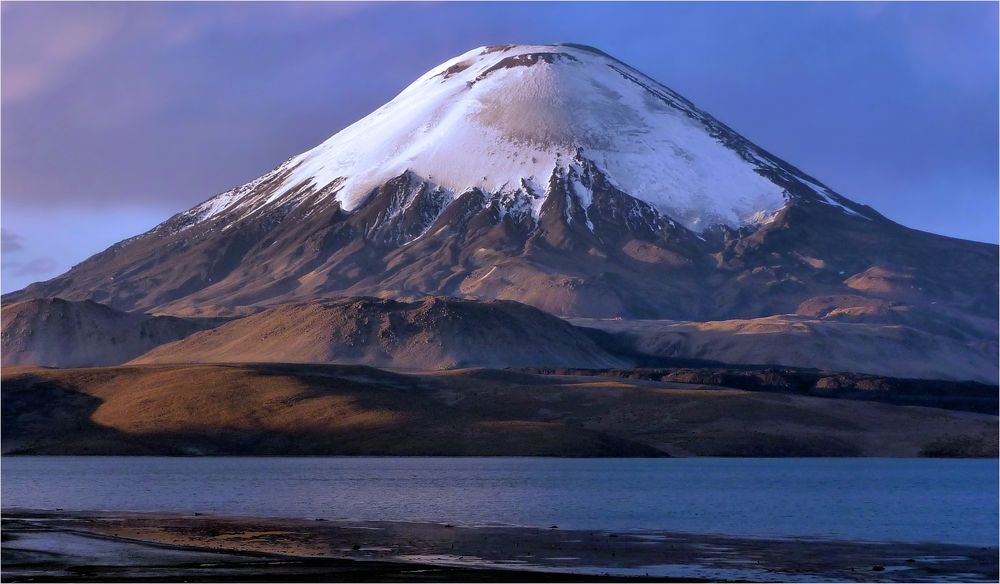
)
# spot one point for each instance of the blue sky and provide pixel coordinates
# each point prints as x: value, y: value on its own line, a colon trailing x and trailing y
x: 117, y: 115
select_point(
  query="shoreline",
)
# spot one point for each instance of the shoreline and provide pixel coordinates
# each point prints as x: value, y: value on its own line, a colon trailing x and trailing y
x: 53, y: 545
x: 217, y: 565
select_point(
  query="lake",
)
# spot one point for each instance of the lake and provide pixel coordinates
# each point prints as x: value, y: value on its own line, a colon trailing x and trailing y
x: 906, y: 500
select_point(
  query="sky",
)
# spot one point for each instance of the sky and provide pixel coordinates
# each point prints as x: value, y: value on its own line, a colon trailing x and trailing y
x: 115, y: 116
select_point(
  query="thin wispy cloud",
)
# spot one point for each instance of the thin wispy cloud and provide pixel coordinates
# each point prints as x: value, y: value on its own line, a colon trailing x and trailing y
x: 43, y: 50
x: 36, y: 267
x: 14, y: 263
x: 10, y: 242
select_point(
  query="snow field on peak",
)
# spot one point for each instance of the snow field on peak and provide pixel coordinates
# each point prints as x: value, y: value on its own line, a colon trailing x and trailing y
x: 499, y: 119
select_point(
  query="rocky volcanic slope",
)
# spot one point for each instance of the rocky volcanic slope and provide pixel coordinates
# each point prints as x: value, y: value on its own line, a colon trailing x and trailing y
x: 436, y: 333
x: 60, y: 333
x: 327, y: 409
x: 563, y: 178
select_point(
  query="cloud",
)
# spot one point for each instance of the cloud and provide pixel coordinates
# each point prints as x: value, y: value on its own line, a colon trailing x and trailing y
x: 42, y: 266
x: 13, y: 244
x: 21, y: 82
x: 10, y: 242
x: 44, y: 42
x: 41, y: 46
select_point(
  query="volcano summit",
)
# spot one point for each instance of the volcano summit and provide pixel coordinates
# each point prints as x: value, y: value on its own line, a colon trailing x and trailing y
x: 560, y: 177
x: 509, y: 120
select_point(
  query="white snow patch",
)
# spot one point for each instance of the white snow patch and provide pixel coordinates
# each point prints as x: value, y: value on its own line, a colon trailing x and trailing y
x: 586, y: 198
x: 517, y: 125
x: 828, y: 198
x: 486, y: 275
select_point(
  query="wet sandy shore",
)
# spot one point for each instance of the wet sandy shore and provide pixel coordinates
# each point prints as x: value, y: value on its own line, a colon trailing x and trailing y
x: 46, y: 546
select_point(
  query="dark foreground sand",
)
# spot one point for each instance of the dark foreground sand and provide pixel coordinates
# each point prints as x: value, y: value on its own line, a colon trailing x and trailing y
x: 49, y: 546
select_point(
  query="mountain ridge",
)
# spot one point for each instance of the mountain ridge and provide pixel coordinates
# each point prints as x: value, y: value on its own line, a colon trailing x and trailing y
x: 573, y: 242
x: 432, y: 334
x: 59, y: 333
x: 553, y: 141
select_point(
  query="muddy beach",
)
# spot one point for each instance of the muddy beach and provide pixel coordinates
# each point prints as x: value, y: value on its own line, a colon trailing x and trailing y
x: 81, y: 546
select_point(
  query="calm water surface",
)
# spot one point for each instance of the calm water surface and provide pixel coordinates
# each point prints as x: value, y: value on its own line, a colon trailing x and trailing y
x: 951, y: 501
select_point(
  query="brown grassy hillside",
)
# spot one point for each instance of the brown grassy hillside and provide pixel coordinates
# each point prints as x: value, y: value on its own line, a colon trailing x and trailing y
x: 433, y: 333
x: 893, y: 349
x: 328, y: 409
x: 60, y: 333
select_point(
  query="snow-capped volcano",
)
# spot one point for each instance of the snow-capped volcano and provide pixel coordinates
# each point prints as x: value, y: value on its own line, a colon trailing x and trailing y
x: 556, y: 176
x: 505, y: 119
